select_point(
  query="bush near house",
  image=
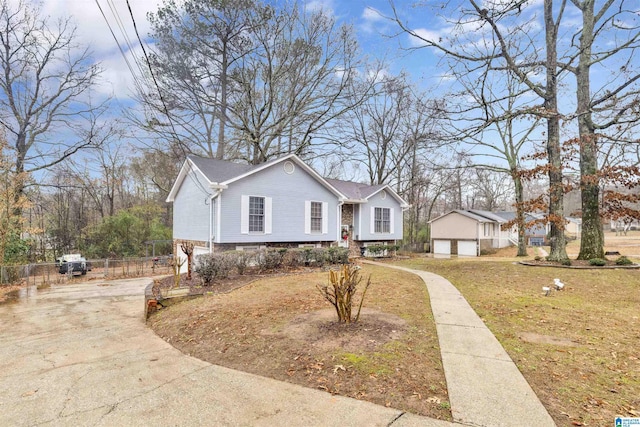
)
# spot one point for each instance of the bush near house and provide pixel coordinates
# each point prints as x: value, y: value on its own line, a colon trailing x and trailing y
x: 220, y: 265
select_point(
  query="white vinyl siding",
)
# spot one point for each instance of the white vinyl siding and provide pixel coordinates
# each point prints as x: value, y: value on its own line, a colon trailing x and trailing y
x: 316, y: 217
x: 255, y: 214
x: 382, y: 220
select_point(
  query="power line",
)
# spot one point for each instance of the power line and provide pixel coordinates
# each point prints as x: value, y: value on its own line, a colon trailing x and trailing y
x: 153, y: 76
x: 126, y: 59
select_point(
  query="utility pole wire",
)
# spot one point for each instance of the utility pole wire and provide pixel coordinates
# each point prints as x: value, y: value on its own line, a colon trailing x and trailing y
x: 153, y: 76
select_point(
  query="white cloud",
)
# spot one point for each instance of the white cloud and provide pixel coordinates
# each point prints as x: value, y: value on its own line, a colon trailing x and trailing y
x: 371, y: 14
x: 422, y: 34
x: 371, y: 20
x: 92, y: 31
x: 319, y: 5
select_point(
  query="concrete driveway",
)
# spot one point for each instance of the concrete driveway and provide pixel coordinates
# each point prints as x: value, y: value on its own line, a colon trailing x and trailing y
x: 81, y: 354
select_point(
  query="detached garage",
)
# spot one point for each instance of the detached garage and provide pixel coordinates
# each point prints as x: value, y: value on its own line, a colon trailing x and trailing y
x: 467, y: 232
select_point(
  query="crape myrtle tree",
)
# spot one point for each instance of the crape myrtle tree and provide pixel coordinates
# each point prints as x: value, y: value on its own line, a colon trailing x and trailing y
x: 45, y: 81
x: 246, y: 79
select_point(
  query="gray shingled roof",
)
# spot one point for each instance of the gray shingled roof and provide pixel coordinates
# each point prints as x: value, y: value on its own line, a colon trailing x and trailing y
x: 219, y: 170
x: 354, y: 190
x: 488, y: 215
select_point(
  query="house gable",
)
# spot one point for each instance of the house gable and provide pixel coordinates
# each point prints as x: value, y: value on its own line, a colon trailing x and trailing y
x: 288, y: 196
x: 456, y: 225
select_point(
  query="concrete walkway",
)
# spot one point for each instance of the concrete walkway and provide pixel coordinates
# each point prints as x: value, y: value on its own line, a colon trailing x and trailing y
x: 485, y: 386
x: 81, y: 355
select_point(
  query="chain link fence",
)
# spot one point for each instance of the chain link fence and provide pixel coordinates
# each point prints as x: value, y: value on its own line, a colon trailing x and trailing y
x: 49, y: 273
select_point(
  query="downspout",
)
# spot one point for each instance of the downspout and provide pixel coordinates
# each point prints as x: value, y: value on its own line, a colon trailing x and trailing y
x: 339, y: 221
x: 213, y: 196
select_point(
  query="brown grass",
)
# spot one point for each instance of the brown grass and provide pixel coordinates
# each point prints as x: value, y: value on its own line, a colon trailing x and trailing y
x: 592, y: 372
x: 281, y: 327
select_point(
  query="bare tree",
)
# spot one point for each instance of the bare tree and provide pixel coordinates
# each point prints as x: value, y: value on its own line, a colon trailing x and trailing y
x: 267, y: 77
x: 45, y: 80
x: 294, y: 81
x: 498, y: 132
x: 374, y: 130
x: 498, y: 36
x: 607, y: 38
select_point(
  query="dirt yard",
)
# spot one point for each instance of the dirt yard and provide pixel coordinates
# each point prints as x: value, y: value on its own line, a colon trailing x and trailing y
x: 281, y: 327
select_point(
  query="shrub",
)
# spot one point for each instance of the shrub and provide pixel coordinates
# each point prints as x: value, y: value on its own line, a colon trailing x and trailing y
x: 242, y: 260
x: 376, y: 250
x: 307, y: 256
x: 599, y: 262
x: 214, y: 266
x: 270, y: 259
x: 623, y: 260
x: 566, y: 262
x: 341, y: 290
x: 292, y: 258
x: 319, y: 256
x: 338, y: 255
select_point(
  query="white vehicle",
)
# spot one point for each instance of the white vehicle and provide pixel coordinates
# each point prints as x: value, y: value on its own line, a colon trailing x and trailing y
x: 72, y: 263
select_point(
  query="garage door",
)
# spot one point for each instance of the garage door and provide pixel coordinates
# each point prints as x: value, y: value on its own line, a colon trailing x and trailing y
x: 467, y: 248
x: 442, y: 247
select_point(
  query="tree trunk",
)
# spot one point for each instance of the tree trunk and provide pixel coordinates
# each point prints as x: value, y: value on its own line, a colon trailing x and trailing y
x: 592, y: 241
x: 554, y: 153
x: 222, y: 107
x: 520, y: 214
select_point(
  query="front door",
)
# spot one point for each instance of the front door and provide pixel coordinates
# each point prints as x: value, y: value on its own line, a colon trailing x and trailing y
x: 344, y: 236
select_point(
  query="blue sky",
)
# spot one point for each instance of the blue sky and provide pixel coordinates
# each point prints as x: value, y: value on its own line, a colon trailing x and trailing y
x: 426, y: 67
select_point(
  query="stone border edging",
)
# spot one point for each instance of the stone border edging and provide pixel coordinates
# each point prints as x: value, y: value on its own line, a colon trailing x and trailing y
x: 152, y: 302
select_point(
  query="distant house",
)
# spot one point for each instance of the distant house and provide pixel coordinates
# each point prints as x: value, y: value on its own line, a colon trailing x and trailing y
x: 468, y: 232
x: 221, y: 205
x: 535, y: 234
x: 573, y: 227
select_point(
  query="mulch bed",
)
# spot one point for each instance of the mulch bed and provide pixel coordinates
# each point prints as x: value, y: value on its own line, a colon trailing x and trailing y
x: 196, y: 286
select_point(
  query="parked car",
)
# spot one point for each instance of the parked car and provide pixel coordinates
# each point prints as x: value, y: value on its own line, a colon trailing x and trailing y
x: 72, y: 263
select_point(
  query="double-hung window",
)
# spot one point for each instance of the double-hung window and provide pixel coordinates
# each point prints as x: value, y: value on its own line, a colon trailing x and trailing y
x: 256, y: 214
x: 316, y: 217
x: 382, y: 220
